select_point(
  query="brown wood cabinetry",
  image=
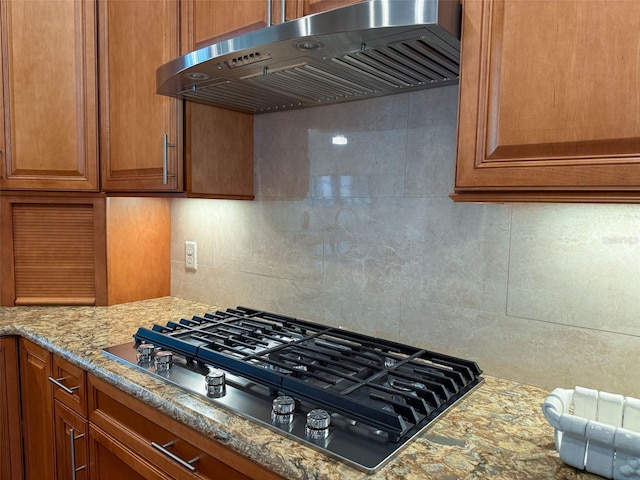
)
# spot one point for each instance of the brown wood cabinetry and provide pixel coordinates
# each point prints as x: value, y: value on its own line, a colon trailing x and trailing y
x: 136, y: 434
x: 211, y: 21
x: 10, y: 435
x: 76, y: 424
x: 111, y: 459
x: 309, y: 7
x: 83, y: 250
x: 72, y: 443
x: 549, y: 101
x: 140, y: 131
x: 219, y: 153
x: 54, y: 405
x: 49, y: 126
x: 37, y: 412
x: 218, y: 142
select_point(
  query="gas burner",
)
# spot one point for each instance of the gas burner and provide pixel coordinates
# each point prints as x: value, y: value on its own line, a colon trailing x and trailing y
x: 357, y: 398
x: 403, y: 386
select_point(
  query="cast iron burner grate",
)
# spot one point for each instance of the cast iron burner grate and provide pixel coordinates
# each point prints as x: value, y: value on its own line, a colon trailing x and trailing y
x: 388, y: 386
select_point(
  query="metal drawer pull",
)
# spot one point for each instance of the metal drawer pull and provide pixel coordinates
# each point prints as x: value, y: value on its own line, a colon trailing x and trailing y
x: 72, y: 439
x: 165, y: 159
x: 173, y: 456
x: 57, y: 381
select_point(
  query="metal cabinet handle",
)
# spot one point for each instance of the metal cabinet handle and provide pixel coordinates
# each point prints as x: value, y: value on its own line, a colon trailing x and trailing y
x: 270, y: 14
x: 174, y: 457
x: 165, y: 159
x: 56, y: 381
x: 72, y: 440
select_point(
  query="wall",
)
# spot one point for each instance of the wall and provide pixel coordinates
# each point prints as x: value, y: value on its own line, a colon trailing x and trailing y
x: 364, y: 236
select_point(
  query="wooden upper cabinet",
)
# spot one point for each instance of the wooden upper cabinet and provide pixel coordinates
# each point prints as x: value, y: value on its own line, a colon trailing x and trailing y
x: 549, y: 101
x: 48, y: 82
x: 141, y: 131
x: 211, y: 21
x: 218, y: 142
x: 309, y: 7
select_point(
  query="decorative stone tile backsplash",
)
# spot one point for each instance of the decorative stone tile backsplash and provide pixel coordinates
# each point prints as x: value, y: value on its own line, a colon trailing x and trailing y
x: 363, y: 235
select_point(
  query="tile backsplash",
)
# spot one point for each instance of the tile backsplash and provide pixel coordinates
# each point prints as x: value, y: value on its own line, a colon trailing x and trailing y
x: 363, y: 235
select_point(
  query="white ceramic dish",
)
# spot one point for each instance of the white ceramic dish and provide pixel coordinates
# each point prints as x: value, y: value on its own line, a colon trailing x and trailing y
x: 596, y: 431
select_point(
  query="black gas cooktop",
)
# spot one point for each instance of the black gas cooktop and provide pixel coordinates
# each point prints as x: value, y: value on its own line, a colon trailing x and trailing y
x: 357, y: 398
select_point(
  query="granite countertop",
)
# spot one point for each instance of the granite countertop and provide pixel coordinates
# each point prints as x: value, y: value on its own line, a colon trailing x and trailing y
x: 497, y: 432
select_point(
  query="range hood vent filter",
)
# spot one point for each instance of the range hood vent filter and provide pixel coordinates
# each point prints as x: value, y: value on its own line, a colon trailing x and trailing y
x: 275, y: 69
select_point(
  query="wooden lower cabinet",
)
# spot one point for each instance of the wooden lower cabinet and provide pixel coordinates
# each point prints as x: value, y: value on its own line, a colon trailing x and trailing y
x: 53, y: 401
x: 72, y: 444
x: 111, y: 459
x: 10, y: 441
x: 37, y: 412
x: 76, y: 426
x: 123, y: 425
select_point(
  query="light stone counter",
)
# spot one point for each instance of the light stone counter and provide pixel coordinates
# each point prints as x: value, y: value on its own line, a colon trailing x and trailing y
x: 498, y: 432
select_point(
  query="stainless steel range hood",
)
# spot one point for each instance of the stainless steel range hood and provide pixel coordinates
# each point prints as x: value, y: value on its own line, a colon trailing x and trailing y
x: 368, y: 49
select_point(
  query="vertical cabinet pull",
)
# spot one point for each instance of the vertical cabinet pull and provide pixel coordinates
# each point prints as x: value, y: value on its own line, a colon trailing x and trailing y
x: 174, y: 457
x: 72, y: 442
x: 165, y: 159
x: 57, y: 383
x: 270, y: 13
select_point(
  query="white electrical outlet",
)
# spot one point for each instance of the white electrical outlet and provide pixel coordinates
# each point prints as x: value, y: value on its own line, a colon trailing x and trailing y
x: 191, y: 255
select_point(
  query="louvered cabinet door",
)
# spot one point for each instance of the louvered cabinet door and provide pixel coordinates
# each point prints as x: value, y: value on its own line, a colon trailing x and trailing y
x: 53, y: 251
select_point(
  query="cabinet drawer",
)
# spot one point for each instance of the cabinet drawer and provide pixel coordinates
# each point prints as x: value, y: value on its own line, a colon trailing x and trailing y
x: 111, y: 459
x: 165, y: 443
x: 72, y: 445
x: 69, y: 385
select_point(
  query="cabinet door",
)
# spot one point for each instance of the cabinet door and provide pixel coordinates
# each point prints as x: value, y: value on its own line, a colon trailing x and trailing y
x: 549, y: 101
x: 48, y: 53
x: 10, y: 440
x: 163, y: 442
x: 219, y: 153
x: 309, y: 7
x: 37, y: 412
x: 72, y: 444
x: 53, y: 250
x: 141, y: 140
x: 211, y: 21
x: 218, y: 142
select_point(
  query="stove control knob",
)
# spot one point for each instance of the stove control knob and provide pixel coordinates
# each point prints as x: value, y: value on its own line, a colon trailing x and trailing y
x: 283, y: 405
x: 145, y: 352
x: 282, y: 410
x: 163, y: 361
x: 318, y: 422
x: 215, y: 383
